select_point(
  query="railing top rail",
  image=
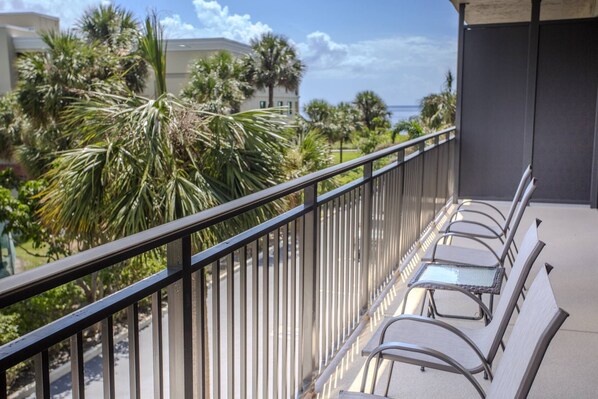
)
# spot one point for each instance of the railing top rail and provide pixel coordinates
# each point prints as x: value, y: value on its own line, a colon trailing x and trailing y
x: 24, y: 285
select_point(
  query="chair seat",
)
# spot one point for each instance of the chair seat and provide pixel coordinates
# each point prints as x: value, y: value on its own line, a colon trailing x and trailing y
x: 461, y: 255
x: 472, y: 229
x: 433, y: 337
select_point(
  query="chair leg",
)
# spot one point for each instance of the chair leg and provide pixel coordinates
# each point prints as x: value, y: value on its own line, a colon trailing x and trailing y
x: 392, y: 364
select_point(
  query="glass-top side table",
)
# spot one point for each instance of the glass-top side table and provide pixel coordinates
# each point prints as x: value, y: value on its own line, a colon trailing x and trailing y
x: 477, y: 280
x: 474, y: 279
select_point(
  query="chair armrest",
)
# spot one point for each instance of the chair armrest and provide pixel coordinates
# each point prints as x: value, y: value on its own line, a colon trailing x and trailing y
x: 465, y: 237
x: 452, y: 287
x: 377, y: 352
x: 448, y: 228
x: 498, y: 224
x: 467, y: 202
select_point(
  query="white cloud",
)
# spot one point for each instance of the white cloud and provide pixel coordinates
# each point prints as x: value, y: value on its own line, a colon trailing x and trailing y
x: 371, y: 57
x: 215, y: 21
x: 402, y: 69
x: 68, y: 11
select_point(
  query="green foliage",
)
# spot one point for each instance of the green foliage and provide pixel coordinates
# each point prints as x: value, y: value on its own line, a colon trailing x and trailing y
x: 274, y: 62
x: 412, y: 127
x: 153, y: 49
x: 218, y: 82
x: 373, y: 112
x: 9, y: 331
x: 438, y: 110
x: 370, y: 141
x: 116, y: 29
x: 140, y: 163
x: 21, y: 217
x: 50, y: 82
x: 11, y: 125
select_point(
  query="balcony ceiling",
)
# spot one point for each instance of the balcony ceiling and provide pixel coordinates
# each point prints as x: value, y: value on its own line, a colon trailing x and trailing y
x: 505, y: 11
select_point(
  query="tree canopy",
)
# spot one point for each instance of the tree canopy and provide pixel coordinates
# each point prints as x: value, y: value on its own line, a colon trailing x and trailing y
x: 274, y: 62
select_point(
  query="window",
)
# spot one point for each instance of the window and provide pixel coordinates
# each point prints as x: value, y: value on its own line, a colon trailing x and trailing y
x: 279, y: 103
x: 290, y: 108
x: 262, y: 104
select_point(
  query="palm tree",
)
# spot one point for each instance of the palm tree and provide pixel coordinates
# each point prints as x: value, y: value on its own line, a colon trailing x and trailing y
x: 438, y: 110
x: 116, y: 28
x: 347, y: 121
x: 274, y: 62
x: 373, y: 112
x: 218, y: 81
x: 321, y: 119
x: 139, y: 162
x: 49, y: 83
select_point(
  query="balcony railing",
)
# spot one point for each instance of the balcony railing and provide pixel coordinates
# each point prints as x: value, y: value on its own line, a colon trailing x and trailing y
x: 261, y: 314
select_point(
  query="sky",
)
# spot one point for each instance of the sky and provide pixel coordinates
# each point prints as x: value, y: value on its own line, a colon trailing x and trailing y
x: 400, y: 49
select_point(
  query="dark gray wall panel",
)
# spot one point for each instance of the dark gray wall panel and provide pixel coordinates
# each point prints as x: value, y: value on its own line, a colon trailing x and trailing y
x: 494, y: 67
x: 565, y: 110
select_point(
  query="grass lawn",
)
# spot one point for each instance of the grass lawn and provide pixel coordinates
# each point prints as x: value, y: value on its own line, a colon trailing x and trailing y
x: 29, y: 261
x: 347, y: 156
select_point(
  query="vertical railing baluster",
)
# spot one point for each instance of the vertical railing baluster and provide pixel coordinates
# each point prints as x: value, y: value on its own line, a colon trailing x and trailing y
x: 345, y: 264
x: 294, y: 308
x: 42, y: 375
x: 243, y: 321
x: 133, y: 334
x: 158, y: 360
x: 275, y: 311
x: 285, y: 292
x: 334, y: 272
x: 310, y: 288
x: 201, y: 334
x: 180, y: 320
x: 265, y: 314
x: 366, y: 235
x: 254, y: 318
x: 77, y: 366
x: 216, y: 329
x: 230, y: 326
x: 108, y: 357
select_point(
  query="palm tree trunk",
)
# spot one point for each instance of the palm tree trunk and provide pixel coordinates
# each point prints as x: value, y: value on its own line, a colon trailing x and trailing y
x: 341, y: 151
x: 270, y: 96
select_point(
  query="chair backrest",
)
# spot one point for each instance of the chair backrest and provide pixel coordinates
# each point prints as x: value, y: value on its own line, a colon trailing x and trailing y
x: 538, y: 322
x: 520, y: 210
x: 531, y: 247
x: 518, y: 193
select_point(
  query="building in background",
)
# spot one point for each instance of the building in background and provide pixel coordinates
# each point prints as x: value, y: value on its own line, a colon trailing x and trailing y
x: 19, y: 34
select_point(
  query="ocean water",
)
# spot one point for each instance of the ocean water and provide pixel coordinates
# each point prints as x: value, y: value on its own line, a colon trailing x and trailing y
x: 401, y: 112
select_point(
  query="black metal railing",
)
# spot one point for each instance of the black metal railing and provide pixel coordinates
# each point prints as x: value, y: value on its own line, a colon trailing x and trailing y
x: 263, y: 313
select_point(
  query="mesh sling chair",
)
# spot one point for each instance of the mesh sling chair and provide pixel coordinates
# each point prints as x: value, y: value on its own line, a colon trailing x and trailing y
x: 538, y: 322
x: 486, y: 256
x: 473, y: 348
x: 489, y: 211
x: 493, y: 230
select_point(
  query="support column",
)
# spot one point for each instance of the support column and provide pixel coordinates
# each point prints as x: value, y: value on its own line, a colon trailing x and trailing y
x: 532, y: 79
x: 180, y: 320
x: 310, y: 292
x: 459, y: 110
x: 594, y: 183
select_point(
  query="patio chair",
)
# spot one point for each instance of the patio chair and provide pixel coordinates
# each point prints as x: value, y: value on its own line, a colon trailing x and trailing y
x: 473, y: 348
x: 487, y: 210
x: 494, y: 230
x: 538, y: 322
x: 476, y: 232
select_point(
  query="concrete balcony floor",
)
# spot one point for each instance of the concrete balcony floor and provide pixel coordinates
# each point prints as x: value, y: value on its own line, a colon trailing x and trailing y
x: 570, y: 367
